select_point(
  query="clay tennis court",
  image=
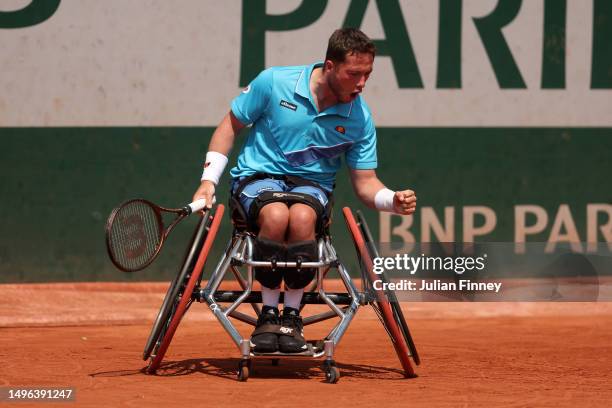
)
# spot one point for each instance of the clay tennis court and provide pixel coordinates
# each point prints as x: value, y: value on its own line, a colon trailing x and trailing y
x: 90, y: 337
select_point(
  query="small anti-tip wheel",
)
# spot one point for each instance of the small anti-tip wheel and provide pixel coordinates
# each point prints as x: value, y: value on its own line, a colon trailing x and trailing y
x: 332, y: 374
x: 243, y: 373
x: 243, y: 370
x: 275, y: 361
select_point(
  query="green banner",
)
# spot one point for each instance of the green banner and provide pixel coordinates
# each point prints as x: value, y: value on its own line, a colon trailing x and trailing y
x: 60, y: 184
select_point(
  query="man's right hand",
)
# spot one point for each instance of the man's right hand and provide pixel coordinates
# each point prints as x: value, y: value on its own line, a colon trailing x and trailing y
x: 205, y: 191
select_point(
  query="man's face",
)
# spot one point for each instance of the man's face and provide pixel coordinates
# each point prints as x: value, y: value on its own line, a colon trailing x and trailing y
x: 347, y: 79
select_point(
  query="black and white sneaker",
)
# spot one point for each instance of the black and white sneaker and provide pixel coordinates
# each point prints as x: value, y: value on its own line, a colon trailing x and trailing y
x: 264, y: 338
x: 291, y: 339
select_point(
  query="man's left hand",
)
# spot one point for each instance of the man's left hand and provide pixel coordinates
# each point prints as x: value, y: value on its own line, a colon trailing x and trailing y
x: 404, y: 202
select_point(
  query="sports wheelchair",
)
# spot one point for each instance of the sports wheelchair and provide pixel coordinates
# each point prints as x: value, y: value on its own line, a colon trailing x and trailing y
x: 188, y: 287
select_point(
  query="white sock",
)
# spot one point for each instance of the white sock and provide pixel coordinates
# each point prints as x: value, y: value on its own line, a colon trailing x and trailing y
x: 270, y: 296
x: 293, y: 297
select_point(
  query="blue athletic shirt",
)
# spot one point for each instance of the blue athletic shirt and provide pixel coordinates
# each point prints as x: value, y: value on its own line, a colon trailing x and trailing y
x: 290, y: 137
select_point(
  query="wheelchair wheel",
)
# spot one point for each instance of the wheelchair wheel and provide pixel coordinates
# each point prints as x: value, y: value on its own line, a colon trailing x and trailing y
x: 178, y: 284
x: 395, y: 306
x: 178, y: 298
x: 389, y: 315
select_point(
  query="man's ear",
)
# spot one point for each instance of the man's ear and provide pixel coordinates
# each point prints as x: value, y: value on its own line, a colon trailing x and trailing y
x: 328, y: 65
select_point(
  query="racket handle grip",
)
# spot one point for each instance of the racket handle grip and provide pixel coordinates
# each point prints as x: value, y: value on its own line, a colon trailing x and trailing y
x: 197, y: 205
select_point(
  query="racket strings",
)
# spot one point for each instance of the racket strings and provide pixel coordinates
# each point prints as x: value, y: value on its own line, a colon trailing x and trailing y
x: 135, y: 235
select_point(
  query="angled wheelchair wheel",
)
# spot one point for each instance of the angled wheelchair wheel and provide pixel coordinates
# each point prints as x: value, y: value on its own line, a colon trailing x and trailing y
x: 178, y: 297
x: 178, y: 284
x: 386, y: 308
x: 395, y: 305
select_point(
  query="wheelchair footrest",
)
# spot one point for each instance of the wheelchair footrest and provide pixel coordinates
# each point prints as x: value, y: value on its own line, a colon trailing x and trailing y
x: 309, y: 298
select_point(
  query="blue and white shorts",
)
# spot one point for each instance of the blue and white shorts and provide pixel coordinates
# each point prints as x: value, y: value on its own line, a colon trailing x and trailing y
x: 252, y: 190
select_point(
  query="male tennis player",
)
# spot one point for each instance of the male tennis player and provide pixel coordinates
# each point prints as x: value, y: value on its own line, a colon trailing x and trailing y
x: 303, y: 119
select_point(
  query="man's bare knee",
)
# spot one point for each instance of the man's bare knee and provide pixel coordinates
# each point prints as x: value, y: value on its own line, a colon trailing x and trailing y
x: 302, y: 221
x: 273, y: 221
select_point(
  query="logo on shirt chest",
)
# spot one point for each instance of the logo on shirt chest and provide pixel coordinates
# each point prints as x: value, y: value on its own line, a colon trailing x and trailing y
x: 288, y: 105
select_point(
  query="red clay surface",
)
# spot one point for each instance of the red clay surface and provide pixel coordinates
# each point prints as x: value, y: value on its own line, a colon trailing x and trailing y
x: 90, y: 337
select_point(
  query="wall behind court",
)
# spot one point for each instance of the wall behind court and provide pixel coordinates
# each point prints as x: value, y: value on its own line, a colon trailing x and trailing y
x: 497, y: 113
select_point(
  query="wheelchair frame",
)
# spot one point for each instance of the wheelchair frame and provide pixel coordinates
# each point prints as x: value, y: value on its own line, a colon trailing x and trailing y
x: 186, y: 289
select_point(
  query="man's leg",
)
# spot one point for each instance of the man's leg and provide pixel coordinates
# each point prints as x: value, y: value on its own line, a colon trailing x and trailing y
x: 300, y: 244
x: 301, y: 240
x: 273, y: 220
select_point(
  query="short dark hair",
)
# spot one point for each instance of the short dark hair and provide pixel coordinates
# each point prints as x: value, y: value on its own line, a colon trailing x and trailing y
x: 347, y: 41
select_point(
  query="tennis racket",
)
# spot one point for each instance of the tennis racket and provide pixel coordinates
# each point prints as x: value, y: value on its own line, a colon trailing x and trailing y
x: 136, y: 231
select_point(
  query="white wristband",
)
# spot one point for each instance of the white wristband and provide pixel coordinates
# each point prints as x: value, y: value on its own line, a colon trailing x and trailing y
x: 213, y: 167
x: 383, y: 200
